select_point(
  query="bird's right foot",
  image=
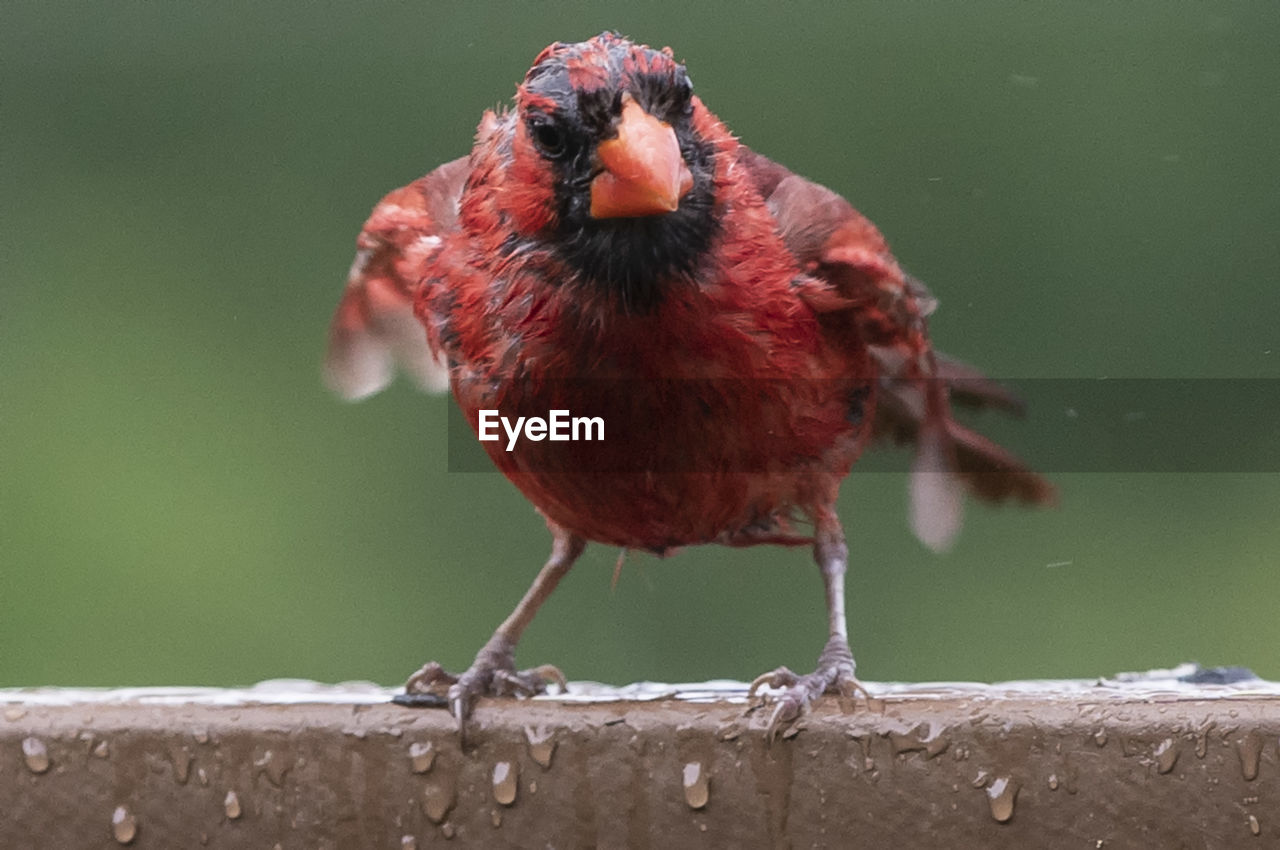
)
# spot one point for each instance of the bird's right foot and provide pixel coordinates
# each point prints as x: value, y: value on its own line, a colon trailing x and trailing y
x: 492, y: 674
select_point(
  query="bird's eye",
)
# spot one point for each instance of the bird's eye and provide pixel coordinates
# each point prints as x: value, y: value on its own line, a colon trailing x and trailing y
x: 549, y: 137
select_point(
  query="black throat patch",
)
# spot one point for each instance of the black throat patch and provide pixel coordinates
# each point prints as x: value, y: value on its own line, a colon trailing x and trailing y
x: 636, y: 259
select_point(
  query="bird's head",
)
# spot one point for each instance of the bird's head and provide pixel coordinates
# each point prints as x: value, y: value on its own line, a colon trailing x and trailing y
x: 609, y: 129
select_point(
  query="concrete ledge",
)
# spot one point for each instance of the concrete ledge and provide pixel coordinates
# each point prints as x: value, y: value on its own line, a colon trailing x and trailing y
x: 1143, y: 761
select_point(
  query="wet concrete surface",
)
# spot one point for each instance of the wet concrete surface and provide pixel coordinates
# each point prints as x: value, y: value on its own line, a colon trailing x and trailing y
x: 1149, y: 760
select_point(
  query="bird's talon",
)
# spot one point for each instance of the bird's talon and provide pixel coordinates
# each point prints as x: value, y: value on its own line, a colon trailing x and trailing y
x: 431, y: 679
x: 850, y: 688
x: 550, y: 674
x: 785, y: 712
x: 460, y: 708
x: 797, y: 693
x: 782, y: 677
x: 493, y: 674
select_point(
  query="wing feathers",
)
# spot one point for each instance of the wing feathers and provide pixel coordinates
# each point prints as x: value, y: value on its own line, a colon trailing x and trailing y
x: 374, y: 329
x: 852, y: 269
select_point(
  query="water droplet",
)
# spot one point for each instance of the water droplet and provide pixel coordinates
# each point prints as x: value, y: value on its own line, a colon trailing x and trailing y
x: 542, y: 744
x: 437, y: 799
x: 231, y: 805
x: 506, y: 781
x: 408, y: 842
x: 923, y: 738
x: 1100, y: 737
x: 274, y: 766
x: 15, y: 713
x: 729, y: 732
x: 102, y: 749
x: 1001, y: 794
x: 181, y: 758
x: 202, y: 776
x: 1202, y: 740
x: 1166, y: 754
x: 1254, y: 826
x: 697, y: 785
x: 447, y: 830
x: 1053, y: 782
x: 1250, y: 754
x: 936, y: 746
x: 495, y: 817
x: 124, y: 826
x: 422, y: 755
x: 35, y: 754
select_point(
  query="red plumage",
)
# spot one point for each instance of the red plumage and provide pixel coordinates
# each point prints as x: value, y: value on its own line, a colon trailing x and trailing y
x: 610, y: 249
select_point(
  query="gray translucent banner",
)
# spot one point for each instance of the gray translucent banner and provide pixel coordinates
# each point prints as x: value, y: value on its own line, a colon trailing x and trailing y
x: 1068, y: 426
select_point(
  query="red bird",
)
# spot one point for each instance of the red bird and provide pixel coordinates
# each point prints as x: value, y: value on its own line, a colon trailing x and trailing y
x: 610, y: 249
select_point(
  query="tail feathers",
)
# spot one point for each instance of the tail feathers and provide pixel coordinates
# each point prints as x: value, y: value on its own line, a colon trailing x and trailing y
x: 955, y: 459
x: 970, y: 388
x: 994, y: 474
x: 950, y: 458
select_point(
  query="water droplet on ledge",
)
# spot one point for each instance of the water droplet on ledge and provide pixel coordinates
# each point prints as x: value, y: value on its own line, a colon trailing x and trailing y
x: 1001, y: 795
x: 697, y: 785
x: 35, y: 754
x: 1166, y: 754
x: 506, y: 781
x: 124, y: 826
x: 1250, y: 749
x: 437, y: 799
x: 422, y: 755
x: 542, y: 744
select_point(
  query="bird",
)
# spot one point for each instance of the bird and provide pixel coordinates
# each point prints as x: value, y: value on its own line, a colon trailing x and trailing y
x: 610, y: 247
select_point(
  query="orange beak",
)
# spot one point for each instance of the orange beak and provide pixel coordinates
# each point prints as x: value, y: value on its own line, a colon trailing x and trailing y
x: 644, y: 173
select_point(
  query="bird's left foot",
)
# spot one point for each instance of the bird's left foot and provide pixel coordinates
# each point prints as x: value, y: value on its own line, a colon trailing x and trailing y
x: 493, y: 673
x: 834, y: 675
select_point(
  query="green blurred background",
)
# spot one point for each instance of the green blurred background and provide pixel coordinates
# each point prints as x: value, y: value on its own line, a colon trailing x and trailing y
x: 1090, y: 188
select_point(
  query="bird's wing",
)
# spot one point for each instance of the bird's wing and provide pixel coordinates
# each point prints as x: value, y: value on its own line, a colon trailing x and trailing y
x: 851, y: 269
x: 374, y: 328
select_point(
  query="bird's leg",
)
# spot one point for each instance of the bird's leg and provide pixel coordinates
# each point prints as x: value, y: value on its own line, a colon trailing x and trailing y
x: 494, y: 673
x: 834, y: 673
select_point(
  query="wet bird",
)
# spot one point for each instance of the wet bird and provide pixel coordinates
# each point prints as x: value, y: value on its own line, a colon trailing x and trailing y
x: 610, y: 248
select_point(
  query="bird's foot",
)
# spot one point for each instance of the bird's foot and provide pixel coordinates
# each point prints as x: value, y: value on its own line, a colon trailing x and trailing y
x: 492, y: 674
x: 833, y: 675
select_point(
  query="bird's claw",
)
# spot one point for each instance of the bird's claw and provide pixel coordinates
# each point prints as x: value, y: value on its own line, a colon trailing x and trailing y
x: 783, y: 677
x: 797, y: 693
x: 492, y: 674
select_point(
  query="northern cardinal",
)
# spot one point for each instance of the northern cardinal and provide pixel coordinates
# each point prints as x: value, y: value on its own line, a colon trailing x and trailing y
x: 610, y: 248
